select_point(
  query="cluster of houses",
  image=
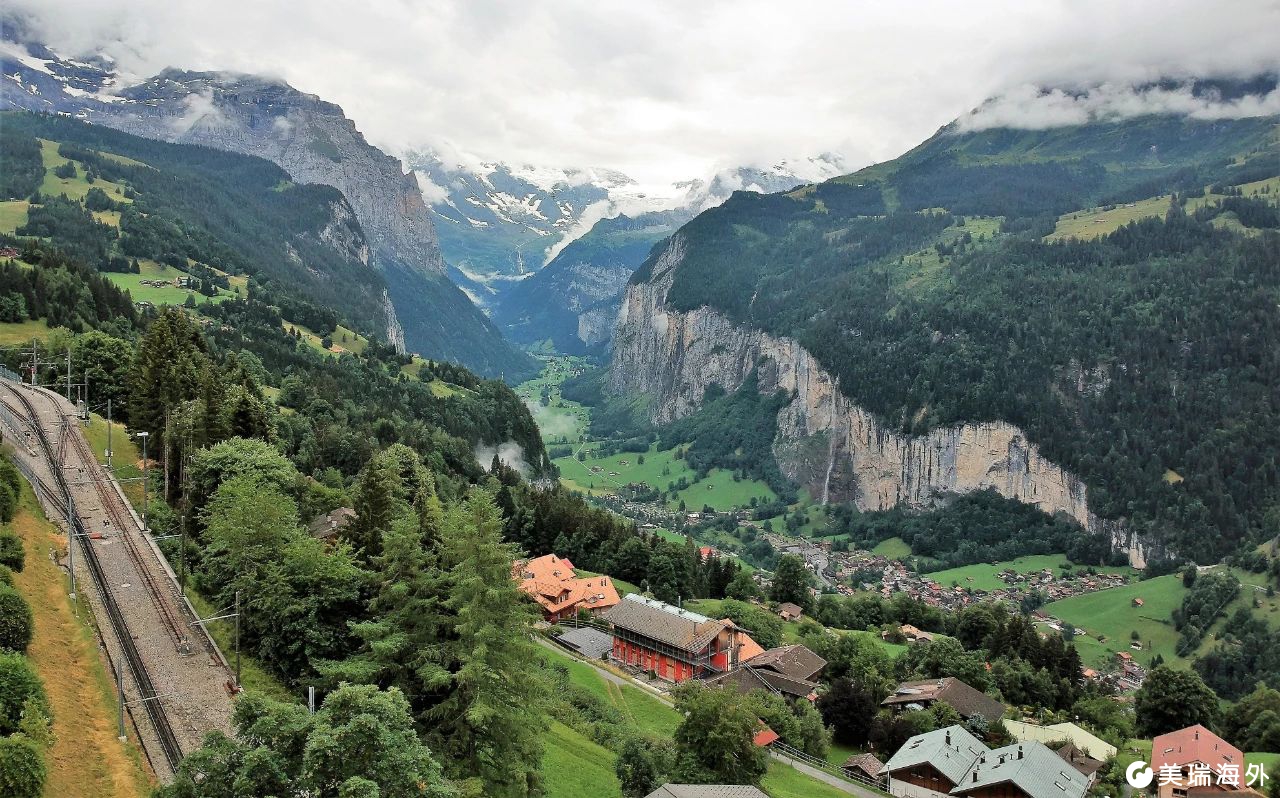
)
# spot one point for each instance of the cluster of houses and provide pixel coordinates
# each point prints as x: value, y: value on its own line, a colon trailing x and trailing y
x: 1060, y: 761
x: 673, y: 645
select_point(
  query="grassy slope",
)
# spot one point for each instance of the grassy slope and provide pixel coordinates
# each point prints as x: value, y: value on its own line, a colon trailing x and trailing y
x: 82, y: 695
x: 573, y: 766
x: 73, y: 187
x: 1111, y: 613
x: 1094, y: 222
x: 22, y: 332
x: 984, y: 576
x: 13, y: 214
x: 893, y: 548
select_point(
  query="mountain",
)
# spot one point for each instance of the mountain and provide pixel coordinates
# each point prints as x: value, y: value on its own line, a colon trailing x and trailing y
x: 499, y: 222
x: 572, y: 302
x: 314, y: 142
x: 1024, y: 310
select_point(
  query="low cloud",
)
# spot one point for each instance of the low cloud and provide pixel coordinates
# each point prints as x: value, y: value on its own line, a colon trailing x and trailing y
x: 550, y: 423
x: 432, y: 193
x: 282, y: 125
x: 1029, y: 107
x: 510, y: 453
x: 200, y: 109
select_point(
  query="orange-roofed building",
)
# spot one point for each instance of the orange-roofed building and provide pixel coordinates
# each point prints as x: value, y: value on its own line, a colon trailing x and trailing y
x: 1195, y: 747
x: 555, y: 585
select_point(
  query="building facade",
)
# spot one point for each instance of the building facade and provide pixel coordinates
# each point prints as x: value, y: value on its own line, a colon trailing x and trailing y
x: 672, y: 643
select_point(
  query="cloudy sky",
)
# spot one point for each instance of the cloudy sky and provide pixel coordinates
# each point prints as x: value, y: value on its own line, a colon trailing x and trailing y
x: 668, y: 89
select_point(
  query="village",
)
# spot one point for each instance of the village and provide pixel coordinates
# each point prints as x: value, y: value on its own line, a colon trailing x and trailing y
x: 656, y: 646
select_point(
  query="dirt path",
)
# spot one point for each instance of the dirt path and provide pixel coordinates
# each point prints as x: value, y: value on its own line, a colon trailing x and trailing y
x: 86, y: 761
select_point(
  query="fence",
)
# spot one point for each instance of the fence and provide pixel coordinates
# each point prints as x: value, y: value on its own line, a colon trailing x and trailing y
x: 826, y: 767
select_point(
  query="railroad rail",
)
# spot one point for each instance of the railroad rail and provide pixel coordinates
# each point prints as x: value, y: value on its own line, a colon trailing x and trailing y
x: 123, y: 523
x: 150, y: 699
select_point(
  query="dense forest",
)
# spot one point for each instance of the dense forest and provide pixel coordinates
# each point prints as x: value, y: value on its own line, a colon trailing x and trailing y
x: 231, y: 212
x: 408, y: 620
x: 977, y: 527
x: 1144, y: 360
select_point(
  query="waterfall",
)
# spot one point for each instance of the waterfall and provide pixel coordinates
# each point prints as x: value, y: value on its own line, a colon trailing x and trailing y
x: 831, y: 447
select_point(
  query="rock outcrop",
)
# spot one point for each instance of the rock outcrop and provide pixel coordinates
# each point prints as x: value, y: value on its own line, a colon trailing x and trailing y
x: 309, y: 138
x: 825, y: 442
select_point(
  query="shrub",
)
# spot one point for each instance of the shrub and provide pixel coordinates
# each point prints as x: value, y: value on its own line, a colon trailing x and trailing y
x: 22, y: 768
x: 18, y: 685
x: 11, y: 553
x: 15, y: 620
x: 6, y: 576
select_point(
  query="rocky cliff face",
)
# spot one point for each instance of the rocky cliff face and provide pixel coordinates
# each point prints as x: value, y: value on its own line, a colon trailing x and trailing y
x: 309, y: 138
x: 825, y: 442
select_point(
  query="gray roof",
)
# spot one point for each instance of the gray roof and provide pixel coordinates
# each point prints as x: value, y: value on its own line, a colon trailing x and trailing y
x: 951, y: 752
x: 591, y: 643
x: 706, y: 791
x: 748, y: 678
x: 1030, y: 766
x: 794, y: 661
x: 966, y: 700
x: 659, y: 621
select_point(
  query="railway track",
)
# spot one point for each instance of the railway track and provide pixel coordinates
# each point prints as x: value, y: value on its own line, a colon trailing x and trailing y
x: 171, y: 750
x: 123, y: 522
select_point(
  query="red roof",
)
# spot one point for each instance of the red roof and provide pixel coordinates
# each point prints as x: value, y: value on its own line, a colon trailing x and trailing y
x: 1194, y: 744
x: 765, y: 736
x: 553, y: 583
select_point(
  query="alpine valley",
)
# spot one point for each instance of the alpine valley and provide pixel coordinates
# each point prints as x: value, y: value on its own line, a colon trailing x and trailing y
x: 334, y: 470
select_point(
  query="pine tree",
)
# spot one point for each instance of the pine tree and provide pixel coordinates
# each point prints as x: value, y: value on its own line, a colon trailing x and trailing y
x: 374, y: 506
x: 490, y: 724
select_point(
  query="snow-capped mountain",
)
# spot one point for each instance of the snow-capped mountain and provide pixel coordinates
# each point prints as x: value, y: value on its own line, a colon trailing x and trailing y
x: 499, y: 223
x: 313, y: 140
x: 572, y: 302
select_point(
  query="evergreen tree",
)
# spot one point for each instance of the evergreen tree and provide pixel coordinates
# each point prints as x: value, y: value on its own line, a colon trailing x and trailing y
x: 791, y: 582
x: 375, y: 506
x: 490, y: 722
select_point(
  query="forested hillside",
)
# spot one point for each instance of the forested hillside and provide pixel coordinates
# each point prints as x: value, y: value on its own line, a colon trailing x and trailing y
x: 258, y: 428
x: 1141, y: 356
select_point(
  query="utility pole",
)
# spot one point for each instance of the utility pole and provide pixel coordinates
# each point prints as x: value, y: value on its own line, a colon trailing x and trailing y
x: 71, y: 536
x: 108, y: 434
x: 120, y: 709
x: 237, y: 611
x: 144, y: 436
x: 68, y: 374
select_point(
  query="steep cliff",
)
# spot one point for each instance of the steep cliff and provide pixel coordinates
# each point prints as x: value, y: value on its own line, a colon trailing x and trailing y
x: 835, y: 449
x: 314, y: 142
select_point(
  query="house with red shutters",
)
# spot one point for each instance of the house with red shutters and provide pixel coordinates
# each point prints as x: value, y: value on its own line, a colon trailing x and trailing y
x: 673, y: 643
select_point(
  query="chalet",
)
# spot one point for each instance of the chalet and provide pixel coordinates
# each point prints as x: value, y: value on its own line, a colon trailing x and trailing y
x: 1081, y: 761
x: 914, y: 635
x: 790, y: 671
x: 790, y: 612
x: 1090, y: 744
x: 950, y: 690
x: 329, y: 526
x: 552, y: 582
x: 932, y: 764
x: 706, y: 791
x: 864, y: 767
x: 1195, y: 747
x: 1022, y: 770
x: 672, y: 643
